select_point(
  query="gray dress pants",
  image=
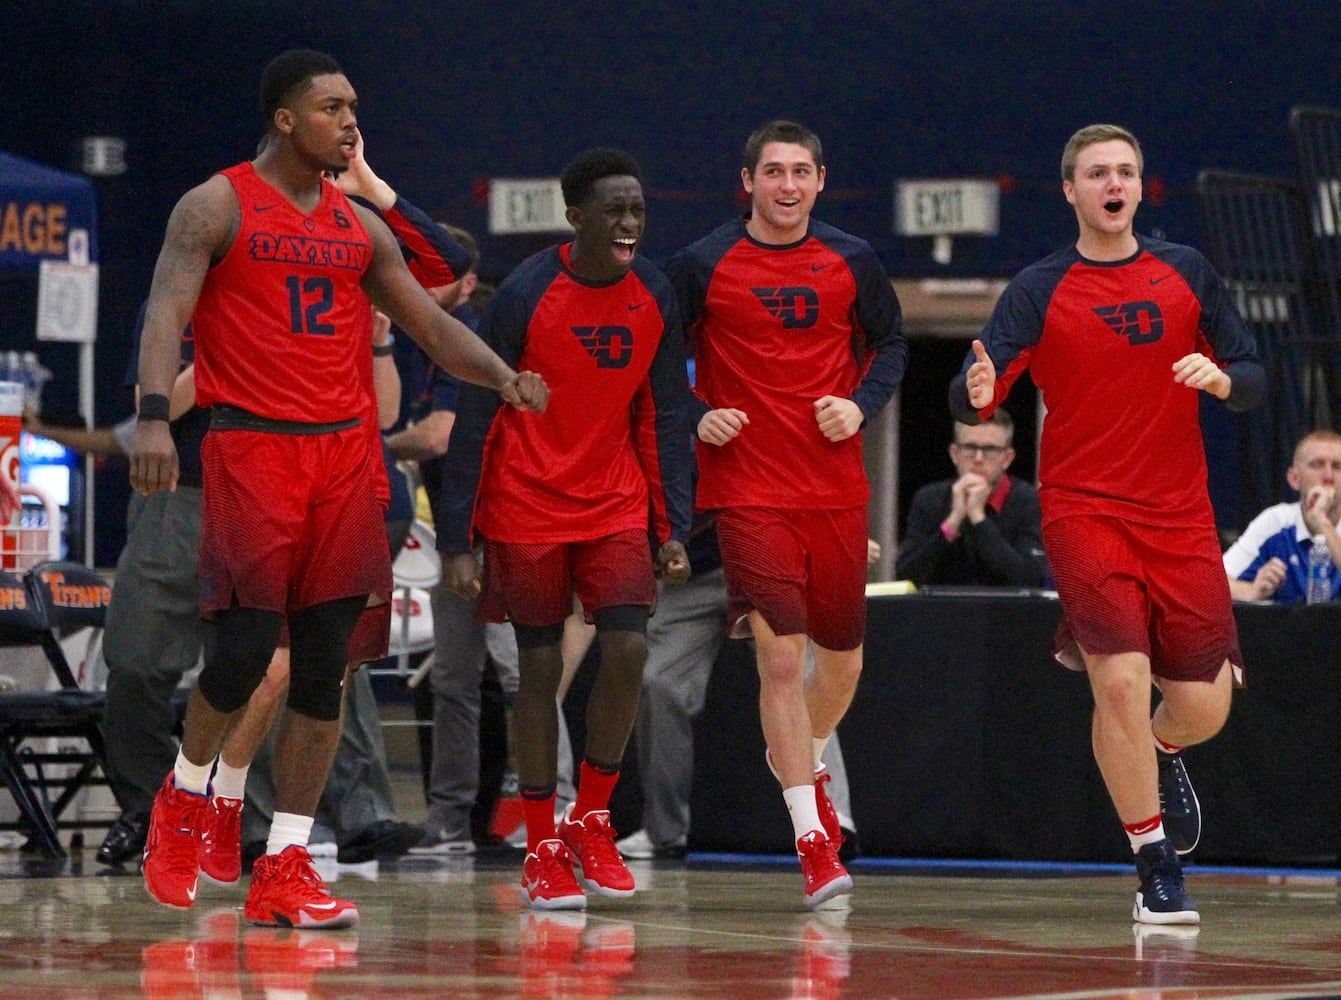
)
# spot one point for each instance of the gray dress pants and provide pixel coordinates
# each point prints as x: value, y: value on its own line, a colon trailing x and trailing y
x: 153, y: 639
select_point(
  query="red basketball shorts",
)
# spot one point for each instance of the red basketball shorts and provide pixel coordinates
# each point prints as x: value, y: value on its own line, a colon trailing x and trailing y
x: 804, y: 571
x: 1129, y: 587
x: 533, y: 584
x: 290, y: 521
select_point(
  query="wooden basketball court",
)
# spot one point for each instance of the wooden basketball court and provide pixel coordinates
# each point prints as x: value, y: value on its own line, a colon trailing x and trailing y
x: 713, y: 926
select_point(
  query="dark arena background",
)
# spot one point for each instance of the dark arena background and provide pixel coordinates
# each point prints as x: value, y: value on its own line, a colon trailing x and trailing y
x: 990, y: 862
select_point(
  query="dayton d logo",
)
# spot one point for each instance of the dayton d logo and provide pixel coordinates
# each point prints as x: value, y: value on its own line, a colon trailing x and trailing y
x: 797, y: 307
x: 1139, y: 322
x: 611, y: 346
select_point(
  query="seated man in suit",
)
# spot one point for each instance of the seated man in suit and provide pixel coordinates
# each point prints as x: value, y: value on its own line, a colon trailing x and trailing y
x: 983, y: 527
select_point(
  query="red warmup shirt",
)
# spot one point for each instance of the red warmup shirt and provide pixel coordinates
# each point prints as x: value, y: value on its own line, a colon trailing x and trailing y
x: 1121, y: 437
x: 282, y: 324
x: 611, y: 452
x: 774, y: 328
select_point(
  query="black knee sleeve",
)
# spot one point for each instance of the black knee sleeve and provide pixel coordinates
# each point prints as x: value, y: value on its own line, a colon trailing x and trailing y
x: 318, y: 654
x: 240, y: 651
x: 535, y: 636
x: 621, y: 618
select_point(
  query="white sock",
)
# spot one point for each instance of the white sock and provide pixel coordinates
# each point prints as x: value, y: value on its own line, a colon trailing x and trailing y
x: 193, y: 778
x: 229, y: 782
x: 1151, y: 836
x: 818, y: 743
x: 1168, y: 748
x: 287, y: 829
x: 805, y: 814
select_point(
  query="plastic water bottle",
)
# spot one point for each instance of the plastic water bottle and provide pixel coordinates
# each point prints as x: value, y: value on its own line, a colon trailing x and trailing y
x: 35, y: 377
x: 1319, y: 572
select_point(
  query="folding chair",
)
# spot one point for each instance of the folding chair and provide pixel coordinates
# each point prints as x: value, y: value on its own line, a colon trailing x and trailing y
x: 53, y: 599
x: 1258, y: 238
x: 416, y: 569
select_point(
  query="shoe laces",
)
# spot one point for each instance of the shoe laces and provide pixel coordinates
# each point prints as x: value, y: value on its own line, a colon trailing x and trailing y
x: 1162, y: 877
x: 293, y: 868
x: 817, y: 854
x: 187, y: 819
x: 1164, y: 885
x: 1174, y: 776
x: 553, y: 861
x: 597, y: 840
x: 225, y: 824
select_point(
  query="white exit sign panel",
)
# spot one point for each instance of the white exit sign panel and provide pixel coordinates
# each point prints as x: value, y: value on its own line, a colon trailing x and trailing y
x: 527, y: 206
x: 946, y: 208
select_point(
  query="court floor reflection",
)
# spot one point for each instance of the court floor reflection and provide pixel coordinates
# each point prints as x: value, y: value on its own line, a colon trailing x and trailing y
x: 433, y: 928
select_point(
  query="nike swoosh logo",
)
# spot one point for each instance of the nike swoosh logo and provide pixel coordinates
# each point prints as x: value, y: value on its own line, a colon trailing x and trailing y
x: 1156, y: 281
x: 638, y: 306
x: 818, y: 267
x: 262, y: 208
x: 323, y: 906
x: 191, y: 893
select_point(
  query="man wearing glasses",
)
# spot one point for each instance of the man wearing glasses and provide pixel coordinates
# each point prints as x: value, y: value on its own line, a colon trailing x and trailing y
x: 981, y: 528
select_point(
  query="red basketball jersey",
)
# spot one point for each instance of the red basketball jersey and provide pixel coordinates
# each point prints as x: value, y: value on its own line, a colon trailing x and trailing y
x: 281, y: 326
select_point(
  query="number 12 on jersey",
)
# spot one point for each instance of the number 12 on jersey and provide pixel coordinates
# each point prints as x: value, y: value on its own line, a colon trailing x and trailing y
x: 309, y: 300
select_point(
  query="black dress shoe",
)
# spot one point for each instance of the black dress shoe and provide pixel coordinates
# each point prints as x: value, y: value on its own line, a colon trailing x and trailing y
x: 384, y: 839
x: 125, y: 840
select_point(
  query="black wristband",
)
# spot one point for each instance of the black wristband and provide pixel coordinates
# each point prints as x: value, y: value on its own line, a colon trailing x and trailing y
x: 154, y: 407
x: 383, y: 350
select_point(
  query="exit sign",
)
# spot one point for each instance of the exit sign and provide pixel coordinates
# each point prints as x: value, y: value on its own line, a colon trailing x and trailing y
x: 527, y: 206
x: 946, y: 208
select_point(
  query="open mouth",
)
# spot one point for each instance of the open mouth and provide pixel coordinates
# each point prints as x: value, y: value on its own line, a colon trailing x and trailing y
x: 1114, y: 207
x: 623, y: 248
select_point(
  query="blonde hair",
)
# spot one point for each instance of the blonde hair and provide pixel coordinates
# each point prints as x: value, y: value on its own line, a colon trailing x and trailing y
x: 1324, y: 435
x: 1088, y: 136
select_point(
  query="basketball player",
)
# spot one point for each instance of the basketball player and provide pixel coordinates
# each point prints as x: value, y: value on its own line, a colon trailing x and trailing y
x: 564, y: 504
x: 797, y: 342
x: 1122, y: 333
x: 273, y: 265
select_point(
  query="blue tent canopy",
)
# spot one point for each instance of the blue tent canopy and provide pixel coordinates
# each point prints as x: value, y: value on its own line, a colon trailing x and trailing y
x: 45, y: 214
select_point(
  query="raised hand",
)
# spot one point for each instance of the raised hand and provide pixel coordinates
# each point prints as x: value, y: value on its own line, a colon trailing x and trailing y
x: 981, y: 378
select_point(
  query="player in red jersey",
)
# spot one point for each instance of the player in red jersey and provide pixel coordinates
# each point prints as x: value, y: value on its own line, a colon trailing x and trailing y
x: 1122, y: 333
x: 797, y: 342
x: 564, y: 503
x: 433, y: 257
x: 273, y: 265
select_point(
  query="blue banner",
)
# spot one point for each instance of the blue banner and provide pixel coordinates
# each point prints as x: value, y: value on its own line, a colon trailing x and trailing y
x: 45, y: 214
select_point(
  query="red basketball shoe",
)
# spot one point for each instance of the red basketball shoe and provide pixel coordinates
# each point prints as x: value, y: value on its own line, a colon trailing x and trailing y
x: 825, y: 876
x: 592, y: 841
x: 172, y: 849
x: 221, y: 846
x: 827, y: 813
x: 286, y: 891
x: 547, y: 881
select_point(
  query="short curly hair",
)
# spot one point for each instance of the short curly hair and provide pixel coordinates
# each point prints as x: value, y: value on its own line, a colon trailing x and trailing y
x: 581, y: 175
